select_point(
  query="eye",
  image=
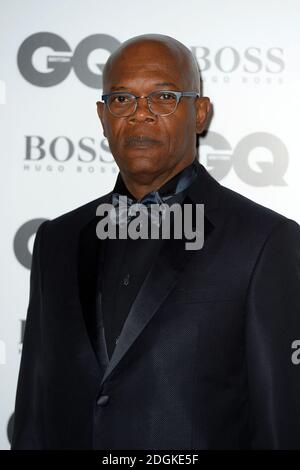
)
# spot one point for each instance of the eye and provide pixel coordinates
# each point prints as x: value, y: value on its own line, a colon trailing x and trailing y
x: 120, y: 98
x: 166, y: 96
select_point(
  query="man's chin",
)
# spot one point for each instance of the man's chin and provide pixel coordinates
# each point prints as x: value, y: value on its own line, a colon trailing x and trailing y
x: 139, y: 165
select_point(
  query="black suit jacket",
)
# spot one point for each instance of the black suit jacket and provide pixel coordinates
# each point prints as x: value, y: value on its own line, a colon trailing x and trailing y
x: 204, y: 360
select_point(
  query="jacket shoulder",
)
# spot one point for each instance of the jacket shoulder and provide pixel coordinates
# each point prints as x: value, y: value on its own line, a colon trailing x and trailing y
x: 249, y: 213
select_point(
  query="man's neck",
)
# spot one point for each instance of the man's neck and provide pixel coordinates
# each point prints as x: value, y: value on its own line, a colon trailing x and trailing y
x: 139, y: 188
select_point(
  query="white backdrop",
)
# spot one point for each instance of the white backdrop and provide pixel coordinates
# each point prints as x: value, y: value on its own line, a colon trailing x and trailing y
x: 54, y: 157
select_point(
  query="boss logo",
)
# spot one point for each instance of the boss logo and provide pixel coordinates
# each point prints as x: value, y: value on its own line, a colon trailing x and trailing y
x: 62, y: 149
x: 252, y: 60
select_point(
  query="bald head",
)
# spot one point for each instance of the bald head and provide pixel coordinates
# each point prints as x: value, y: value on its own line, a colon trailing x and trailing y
x: 162, y: 47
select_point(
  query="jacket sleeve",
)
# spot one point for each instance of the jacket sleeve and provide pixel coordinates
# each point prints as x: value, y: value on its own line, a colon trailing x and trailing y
x: 272, y: 333
x: 28, y: 426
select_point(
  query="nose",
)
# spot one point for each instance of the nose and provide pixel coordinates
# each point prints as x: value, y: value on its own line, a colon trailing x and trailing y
x: 142, y: 111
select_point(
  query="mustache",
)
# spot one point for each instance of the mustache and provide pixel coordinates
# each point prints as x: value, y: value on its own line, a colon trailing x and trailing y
x: 140, y: 139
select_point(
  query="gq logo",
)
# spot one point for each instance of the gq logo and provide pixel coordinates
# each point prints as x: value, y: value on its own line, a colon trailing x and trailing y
x: 59, y: 66
x: 266, y: 170
x: 21, y: 241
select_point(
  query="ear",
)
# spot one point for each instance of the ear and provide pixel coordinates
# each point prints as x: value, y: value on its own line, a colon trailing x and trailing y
x: 100, y: 112
x: 203, y: 112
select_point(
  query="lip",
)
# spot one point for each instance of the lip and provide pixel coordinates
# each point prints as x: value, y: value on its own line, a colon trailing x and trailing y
x: 140, y: 141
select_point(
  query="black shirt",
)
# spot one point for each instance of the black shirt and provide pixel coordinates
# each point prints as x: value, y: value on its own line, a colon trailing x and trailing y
x: 127, y: 262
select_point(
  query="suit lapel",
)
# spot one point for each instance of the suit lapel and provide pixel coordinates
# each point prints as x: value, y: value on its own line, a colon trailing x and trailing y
x: 90, y: 273
x: 158, y: 283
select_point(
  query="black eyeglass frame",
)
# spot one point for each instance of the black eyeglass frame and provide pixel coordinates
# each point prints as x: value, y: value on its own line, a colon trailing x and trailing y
x: 178, y: 94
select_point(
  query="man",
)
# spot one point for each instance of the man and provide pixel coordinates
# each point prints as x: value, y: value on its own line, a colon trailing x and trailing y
x: 143, y: 344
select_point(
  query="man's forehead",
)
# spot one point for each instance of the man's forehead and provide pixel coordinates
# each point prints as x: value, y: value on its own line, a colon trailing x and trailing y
x: 158, y: 80
x: 155, y: 71
x: 148, y: 62
x: 144, y: 68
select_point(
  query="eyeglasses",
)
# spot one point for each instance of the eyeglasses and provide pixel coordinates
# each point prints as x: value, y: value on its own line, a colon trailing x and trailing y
x: 162, y: 103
